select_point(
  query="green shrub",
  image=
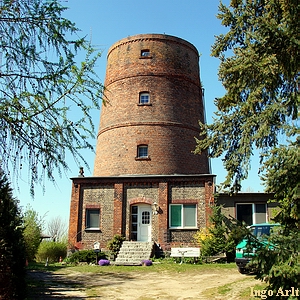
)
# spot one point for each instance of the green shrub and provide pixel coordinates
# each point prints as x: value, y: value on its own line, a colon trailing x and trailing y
x: 115, y: 244
x: 222, y: 235
x: 33, y: 225
x: 277, y: 262
x: 51, y: 250
x: 88, y: 256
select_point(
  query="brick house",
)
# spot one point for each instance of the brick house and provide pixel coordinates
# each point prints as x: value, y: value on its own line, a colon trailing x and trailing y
x: 147, y: 184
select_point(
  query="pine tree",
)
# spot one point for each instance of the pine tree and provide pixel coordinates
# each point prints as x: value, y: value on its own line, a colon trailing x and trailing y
x: 259, y: 69
x: 12, y: 246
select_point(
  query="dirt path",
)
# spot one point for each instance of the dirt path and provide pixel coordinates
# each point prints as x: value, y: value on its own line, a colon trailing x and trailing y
x: 142, y: 286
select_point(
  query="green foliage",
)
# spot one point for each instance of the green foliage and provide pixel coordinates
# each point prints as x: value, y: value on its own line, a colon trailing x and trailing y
x: 282, y: 169
x: 222, y: 235
x: 259, y: 69
x: 88, y: 256
x: 46, y: 96
x: 115, y: 244
x: 32, y: 232
x: 51, y: 250
x: 216, y: 238
x: 279, y: 264
x: 12, y: 246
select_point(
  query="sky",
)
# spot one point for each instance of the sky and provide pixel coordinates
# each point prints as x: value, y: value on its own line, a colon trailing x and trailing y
x: 105, y: 22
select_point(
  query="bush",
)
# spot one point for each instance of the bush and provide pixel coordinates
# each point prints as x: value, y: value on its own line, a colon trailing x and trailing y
x: 222, y: 235
x: 277, y: 261
x: 88, y: 256
x: 33, y: 225
x: 115, y: 244
x: 51, y: 250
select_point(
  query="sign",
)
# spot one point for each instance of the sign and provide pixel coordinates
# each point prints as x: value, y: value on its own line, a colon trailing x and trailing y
x: 96, y: 246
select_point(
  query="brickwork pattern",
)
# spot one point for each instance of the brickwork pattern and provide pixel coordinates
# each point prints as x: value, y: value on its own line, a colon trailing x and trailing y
x: 168, y: 124
x: 195, y: 193
x: 74, y: 215
x: 163, y: 217
x: 118, y: 209
x: 102, y: 196
x: 139, y: 194
x: 182, y: 237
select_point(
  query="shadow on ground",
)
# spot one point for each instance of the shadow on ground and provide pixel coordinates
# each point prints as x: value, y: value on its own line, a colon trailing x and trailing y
x: 48, y: 285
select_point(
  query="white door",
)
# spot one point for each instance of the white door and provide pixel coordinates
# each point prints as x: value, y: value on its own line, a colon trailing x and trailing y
x: 144, y: 223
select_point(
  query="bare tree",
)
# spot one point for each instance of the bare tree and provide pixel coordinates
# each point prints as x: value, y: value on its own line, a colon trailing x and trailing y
x: 57, y: 229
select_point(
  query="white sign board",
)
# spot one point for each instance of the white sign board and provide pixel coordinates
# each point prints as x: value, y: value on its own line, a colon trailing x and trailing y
x: 96, y: 246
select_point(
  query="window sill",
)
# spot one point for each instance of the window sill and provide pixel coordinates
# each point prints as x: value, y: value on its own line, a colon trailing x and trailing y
x: 183, y: 228
x: 143, y: 158
x: 144, y: 104
x: 145, y: 57
x: 92, y: 229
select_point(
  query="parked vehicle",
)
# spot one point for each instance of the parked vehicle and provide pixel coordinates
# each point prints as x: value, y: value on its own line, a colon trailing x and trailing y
x: 245, y: 250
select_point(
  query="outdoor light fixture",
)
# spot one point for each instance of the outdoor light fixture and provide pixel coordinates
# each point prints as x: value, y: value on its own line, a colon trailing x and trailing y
x: 155, y: 208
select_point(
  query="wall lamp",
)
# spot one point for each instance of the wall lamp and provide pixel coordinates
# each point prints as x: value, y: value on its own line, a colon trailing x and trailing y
x: 155, y: 208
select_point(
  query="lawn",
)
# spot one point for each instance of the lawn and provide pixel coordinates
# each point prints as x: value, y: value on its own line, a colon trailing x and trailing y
x: 190, y: 281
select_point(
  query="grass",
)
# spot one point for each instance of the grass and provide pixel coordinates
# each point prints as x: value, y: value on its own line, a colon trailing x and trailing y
x: 158, y: 266
x: 163, y: 267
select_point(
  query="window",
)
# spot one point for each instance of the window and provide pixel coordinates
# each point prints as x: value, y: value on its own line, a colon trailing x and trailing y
x: 183, y: 216
x: 145, y: 217
x: 251, y: 213
x: 93, y: 218
x: 134, y: 222
x: 145, y: 53
x: 144, y: 98
x: 142, y: 151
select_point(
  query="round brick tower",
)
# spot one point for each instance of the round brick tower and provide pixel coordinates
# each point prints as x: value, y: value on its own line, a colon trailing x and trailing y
x: 154, y: 104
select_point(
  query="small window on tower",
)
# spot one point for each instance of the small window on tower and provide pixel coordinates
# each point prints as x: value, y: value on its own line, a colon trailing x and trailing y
x: 145, y: 53
x: 142, y: 152
x: 144, y: 98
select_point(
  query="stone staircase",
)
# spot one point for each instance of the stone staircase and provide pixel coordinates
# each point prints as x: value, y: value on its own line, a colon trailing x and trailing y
x: 132, y: 253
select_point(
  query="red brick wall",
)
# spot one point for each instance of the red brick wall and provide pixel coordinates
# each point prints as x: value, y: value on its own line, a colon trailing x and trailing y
x: 115, y: 195
x: 74, y: 215
x: 168, y: 125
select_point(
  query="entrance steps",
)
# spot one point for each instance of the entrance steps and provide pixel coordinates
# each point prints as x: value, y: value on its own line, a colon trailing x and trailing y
x: 132, y: 253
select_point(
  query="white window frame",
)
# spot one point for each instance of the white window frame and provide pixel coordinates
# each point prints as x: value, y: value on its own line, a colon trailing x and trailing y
x: 140, y: 147
x: 142, y: 96
x: 182, y: 216
x: 87, y: 218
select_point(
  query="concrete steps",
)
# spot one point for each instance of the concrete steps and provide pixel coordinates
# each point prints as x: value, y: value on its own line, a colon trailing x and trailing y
x: 132, y: 253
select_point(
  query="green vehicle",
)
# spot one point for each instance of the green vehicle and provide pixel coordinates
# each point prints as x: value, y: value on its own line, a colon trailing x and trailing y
x: 244, y: 252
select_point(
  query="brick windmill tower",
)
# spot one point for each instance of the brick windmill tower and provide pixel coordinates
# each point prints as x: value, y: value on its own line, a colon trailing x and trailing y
x: 147, y: 184
x: 154, y: 104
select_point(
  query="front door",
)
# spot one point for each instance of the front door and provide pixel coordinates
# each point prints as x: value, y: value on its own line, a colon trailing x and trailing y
x: 141, y: 223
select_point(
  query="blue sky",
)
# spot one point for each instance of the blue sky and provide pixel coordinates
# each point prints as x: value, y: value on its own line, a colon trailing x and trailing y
x: 107, y: 21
